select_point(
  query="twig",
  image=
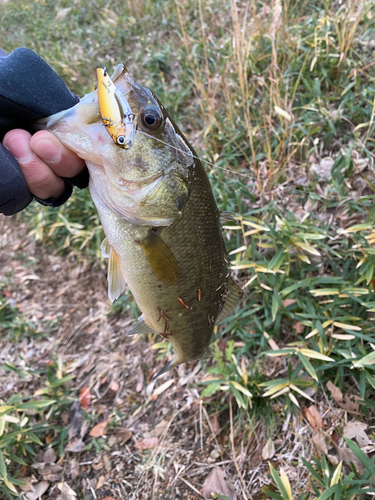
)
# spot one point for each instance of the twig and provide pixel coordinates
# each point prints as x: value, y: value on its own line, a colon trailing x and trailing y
x: 234, y: 453
x: 191, y: 486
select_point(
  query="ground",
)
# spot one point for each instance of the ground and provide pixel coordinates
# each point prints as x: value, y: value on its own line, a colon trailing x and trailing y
x: 129, y: 437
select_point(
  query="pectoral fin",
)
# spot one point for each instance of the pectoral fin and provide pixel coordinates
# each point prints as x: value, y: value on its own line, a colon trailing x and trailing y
x: 105, y: 248
x: 234, y: 296
x: 160, y: 258
x: 140, y: 327
x: 116, y: 280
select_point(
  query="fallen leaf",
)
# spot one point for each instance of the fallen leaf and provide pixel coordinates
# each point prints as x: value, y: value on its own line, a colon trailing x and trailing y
x: 100, y: 482
x: 114, y: 386
x: 28, y: 486
x: 160, y: 428
x: 323, y: 168
x: 61, y: 14
x: 39, y: 489
x: 99, y: 429
x: 320, y: 443
x: 335, y: 391
x: 123, y: 434
x: 356, y: 430
x: 66, y: 492
x: 350, y: 404
x: 163, y: 387
x: 298, y: 327
x: 76, y: 446
x: 73, y: 468
x: 76, y: 420
x: 268, y: 450
x: 346, y: 455
x: 216, y: 483
x: 49, y: 456
x: 314, y: 418
x: 85, y: 397
x: 288, y: 302
x: 147, y: 443
x: 215, y: 423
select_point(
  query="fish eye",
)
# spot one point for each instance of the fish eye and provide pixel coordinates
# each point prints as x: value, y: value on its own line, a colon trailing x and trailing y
x: 121, y: 140
x: 151, y: 118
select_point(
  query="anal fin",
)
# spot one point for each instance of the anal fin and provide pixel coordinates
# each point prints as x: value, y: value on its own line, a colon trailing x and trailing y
x: 160, y: 258
x: 116, y: 280
x: 140, y: 327
x: 234, y: 296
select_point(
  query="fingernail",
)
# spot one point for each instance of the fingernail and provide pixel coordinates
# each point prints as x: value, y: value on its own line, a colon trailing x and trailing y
x: 47, y: 151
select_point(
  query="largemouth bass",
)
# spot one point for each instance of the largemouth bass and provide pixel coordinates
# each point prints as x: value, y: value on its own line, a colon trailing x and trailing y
x: 162, y: 225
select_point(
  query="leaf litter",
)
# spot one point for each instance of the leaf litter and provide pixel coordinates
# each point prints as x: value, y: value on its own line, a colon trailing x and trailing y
x: 154, y: 432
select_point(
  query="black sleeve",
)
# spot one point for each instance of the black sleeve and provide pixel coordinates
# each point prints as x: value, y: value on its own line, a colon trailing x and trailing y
x: 29, y: 90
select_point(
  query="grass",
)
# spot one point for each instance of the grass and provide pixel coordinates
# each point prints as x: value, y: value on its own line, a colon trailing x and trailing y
x: 264, y: 92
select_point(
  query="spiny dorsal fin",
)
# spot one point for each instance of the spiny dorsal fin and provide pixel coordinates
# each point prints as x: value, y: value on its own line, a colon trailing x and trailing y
x: 140, y: 327
x: 235, y: 294
x: 116, y: 280
x: 160, y: 258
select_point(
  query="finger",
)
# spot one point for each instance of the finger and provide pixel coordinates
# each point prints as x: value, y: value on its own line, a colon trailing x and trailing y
x: 59, y: 158
x: 40, y: 179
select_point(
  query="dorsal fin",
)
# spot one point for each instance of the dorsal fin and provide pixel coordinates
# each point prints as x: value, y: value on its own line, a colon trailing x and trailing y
x: 235, y: 294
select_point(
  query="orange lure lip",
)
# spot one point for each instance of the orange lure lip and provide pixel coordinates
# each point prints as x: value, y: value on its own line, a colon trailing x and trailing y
x: 116, y: 114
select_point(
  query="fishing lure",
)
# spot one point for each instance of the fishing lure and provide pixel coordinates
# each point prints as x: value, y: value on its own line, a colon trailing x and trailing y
x: 115, y: 111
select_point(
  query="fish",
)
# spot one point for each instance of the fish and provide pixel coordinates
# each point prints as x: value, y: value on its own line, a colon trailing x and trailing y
x: 162, y: 225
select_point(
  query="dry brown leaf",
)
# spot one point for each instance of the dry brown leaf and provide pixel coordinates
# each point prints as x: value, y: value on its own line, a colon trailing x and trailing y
x: 320, y: 443
x: 99, y: 429
x: 298, y: 327
x: 160, y: 428
x: 74, y: 468
x: 49, y: 456
x: 141, y: 378
x: 216, y: 482
x: 85, y: 397
x: 39, y: 489
x: 66, y: 492
x: 123, y: 434
x: 114, y: 386
x: 314, y: 418
x: 268, y: 450
x: 356, y: 430
x: 288, y: 302
x: 147, y: 443
x: 335, y: 391
x: 347, y: 456
x: 28, y: 486
x: 76, y: 446
x: 100, y: 482
x: 350, y: 404
x: 61, y: 14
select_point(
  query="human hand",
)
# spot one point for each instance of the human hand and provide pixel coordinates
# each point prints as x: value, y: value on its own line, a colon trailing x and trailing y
x: 46, y: 170
x: 44, y: 160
